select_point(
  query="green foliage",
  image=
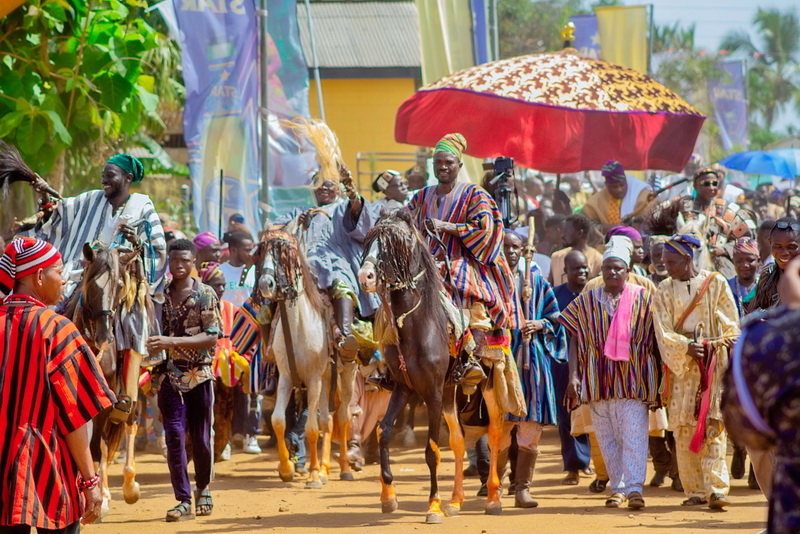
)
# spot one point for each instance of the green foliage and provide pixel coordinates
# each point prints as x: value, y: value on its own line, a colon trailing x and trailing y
x: 80, y: 79
x: 532, y: 27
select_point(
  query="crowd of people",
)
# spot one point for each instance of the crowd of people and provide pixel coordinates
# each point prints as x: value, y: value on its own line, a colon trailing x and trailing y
x: 655, y: 323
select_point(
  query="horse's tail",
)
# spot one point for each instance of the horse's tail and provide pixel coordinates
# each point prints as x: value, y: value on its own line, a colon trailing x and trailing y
x: 113, y: 433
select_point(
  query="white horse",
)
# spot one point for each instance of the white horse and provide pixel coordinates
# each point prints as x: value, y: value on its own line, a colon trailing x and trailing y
x: 301, y: 315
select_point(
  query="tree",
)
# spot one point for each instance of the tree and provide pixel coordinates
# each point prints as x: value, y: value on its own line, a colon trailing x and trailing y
x: 528, y: 27
x: 79, y: 79
x: 772, y: 79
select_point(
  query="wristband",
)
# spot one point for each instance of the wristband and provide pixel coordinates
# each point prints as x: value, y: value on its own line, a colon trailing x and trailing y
x: 84, y: 484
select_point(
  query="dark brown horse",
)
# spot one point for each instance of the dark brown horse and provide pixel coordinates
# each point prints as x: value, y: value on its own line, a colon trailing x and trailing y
x: 413, y: 328
x: 113, y: 291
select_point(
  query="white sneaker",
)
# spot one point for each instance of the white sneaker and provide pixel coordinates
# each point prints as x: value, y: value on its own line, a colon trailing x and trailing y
x: 226, y: 453
x: 251, y: 445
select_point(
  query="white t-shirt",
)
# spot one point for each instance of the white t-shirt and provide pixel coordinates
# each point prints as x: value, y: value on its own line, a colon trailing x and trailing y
x: 234, y: 293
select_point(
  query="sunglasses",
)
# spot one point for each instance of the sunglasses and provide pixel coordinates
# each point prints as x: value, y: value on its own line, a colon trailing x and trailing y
x: 710, y: 183
x: 786, y: 225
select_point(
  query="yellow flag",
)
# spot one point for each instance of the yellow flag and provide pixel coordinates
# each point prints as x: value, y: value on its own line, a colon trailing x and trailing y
x: 445, y: 29
x: 623, y: 35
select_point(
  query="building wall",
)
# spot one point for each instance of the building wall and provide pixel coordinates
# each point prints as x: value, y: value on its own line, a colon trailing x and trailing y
x: 361, y: 113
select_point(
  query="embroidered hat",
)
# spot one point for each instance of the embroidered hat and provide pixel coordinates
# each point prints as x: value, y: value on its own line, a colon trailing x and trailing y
x: 23, y: 257
x: 454, y: 143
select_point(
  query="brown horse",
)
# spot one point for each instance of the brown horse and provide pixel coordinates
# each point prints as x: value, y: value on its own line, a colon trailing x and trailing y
x: 413, y: 328
x: 112, y: 293
x: 301, y: 345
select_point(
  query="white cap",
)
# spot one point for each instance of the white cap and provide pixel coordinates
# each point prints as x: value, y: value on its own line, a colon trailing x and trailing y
x: 620, y: 247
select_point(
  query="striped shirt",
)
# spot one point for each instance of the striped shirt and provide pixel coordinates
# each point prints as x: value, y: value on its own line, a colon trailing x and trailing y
x: 89, y: 217
x: 50, y: 386
x: 601, y: 378
x: 480, y: 273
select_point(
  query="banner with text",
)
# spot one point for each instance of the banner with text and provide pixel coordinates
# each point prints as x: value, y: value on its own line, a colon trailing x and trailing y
x: 726, y: 92
x: 220, y: 70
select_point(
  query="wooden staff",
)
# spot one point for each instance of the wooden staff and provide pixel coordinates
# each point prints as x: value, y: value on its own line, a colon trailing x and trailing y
x: 527, y: 290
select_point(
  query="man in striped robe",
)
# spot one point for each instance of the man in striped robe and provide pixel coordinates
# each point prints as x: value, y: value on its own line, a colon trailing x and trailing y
x: 50, y: 387
x: 111, y: 215
x: 614, y: 370
x: 547, y: 347
x: 464, y: 229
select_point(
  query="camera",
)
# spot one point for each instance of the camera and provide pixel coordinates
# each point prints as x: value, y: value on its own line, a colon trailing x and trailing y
x: 502, y: 166
x: 503, y: 169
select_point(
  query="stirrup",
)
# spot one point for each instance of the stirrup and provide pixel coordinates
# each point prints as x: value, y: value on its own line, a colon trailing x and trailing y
x: 121, y: 411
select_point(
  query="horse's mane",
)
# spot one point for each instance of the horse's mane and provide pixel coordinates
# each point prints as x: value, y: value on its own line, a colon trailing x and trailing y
x: 290, y: 257
x: 400, y: 244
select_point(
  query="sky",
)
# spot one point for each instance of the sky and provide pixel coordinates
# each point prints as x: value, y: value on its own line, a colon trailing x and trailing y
x: 714, y: 19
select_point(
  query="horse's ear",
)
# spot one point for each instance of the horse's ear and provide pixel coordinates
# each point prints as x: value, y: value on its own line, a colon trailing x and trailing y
x: 88, y: 252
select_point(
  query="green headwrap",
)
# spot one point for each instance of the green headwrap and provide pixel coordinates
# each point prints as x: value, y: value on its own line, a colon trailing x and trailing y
x: 129, y: 164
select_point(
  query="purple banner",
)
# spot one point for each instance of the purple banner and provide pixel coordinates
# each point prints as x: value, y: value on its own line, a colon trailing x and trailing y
x: 587, y: 36
x: 220, y: 71
x: 727, y: 96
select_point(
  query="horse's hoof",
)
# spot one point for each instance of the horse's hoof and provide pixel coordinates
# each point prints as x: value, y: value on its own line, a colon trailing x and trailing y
x: 451, y: 510
x: 323, y: 479
x: 433, y: 518
x: 104, y: 508
x: 132, y: 496
x: 313, y: 484
x: 493, y: 508
x: 387, y: 507
x: 286, y: 477
x: 347, y: 477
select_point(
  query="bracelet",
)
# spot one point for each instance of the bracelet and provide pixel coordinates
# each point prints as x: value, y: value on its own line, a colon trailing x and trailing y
x: 84, y: 484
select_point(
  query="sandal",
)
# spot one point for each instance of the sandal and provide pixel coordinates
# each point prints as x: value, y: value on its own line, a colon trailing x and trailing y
x: 179, y: 513
x: 635, y: 500
x: 615, y: 500
x: 598, y: 486
x: 203, y: 503
x: 694, y: 501
x: 572, y: 479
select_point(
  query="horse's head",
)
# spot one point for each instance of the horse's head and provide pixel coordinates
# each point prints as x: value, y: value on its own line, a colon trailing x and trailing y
x: 394, y: 254
x: 103, y: 283
x: 280, y: 271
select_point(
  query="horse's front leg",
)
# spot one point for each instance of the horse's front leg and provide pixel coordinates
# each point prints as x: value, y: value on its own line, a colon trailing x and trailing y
x: 132, y: 366
x: 396, y: 403
x: 326, y: 427
x: 457, y: 446
x: 312, y: 433
x: 347, y: 377
x: 433, y: 455
x: 103, y: 472
x: 285, y: 467
x: 496, y: 416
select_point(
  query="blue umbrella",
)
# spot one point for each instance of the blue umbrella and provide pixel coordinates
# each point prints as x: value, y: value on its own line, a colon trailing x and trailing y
x: 792, y: 157
x: 758, y: 162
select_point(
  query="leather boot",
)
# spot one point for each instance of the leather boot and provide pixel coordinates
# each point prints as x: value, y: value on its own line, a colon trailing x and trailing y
x: 354, y: 454
x: 343, y: 310
x: 472, y: 374
x: 526, y: 461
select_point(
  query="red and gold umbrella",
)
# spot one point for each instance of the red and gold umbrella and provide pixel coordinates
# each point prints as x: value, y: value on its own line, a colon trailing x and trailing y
x: 555, y: 112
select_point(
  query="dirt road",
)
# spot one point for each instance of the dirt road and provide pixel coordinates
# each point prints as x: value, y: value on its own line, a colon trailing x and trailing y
x: 250, y: 497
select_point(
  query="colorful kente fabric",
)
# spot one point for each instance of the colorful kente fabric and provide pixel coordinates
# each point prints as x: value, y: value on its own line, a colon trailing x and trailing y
x: 453, y: 143
x: 570, y: 81
x: 601, y: 378
x: 50, y: 386
x: 547, y: 348
x: 479, y: 271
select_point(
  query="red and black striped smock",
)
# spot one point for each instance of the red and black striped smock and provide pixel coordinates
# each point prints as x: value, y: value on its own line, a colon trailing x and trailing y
x: 50, y: 386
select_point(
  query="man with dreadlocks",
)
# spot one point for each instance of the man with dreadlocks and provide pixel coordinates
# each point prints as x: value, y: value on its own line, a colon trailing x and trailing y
x: 696, y: 323
x: 112, y: 215
x: 463, y: 227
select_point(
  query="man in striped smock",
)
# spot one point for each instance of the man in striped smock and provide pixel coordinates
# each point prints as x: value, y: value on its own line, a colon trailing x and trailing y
x: 463, y: 227
x: 50, y: 387
x: 111, y: 215
x: 613, y: 368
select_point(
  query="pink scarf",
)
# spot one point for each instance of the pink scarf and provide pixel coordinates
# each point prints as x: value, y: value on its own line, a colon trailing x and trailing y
x: 618, y: 339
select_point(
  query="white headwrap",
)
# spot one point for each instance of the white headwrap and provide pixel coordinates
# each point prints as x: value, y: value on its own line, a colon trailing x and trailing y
x: 620, y: 247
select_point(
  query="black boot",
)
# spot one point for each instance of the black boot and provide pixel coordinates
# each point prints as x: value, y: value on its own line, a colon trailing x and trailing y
x: 482, y: 464
x: 471, y: 373
x: 737, y: 465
